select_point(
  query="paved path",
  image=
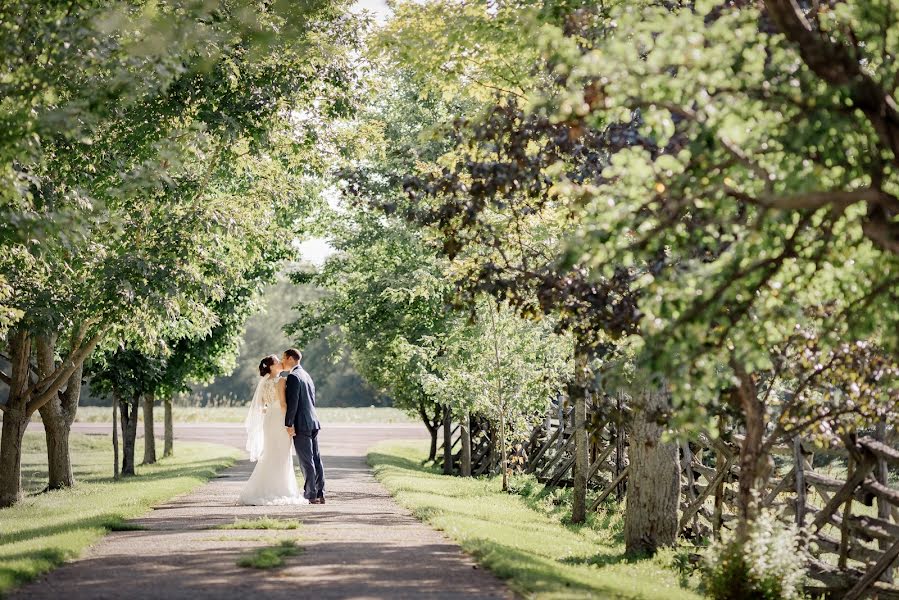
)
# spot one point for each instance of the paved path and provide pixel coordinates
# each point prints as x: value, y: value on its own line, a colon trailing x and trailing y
x: 359, y: 545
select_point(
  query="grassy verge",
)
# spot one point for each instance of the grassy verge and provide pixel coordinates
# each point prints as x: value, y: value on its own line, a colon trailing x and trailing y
x: 260, y: 523
x: 237, y: 414
x: 523, y: 538
x: 47, y: 529
x: 269, y: 557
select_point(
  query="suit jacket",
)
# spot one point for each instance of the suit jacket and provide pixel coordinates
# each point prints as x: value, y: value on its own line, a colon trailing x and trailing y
x: 300, y: 396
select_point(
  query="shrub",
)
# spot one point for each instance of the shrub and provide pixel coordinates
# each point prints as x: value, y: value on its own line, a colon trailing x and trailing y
x: 769, y: 566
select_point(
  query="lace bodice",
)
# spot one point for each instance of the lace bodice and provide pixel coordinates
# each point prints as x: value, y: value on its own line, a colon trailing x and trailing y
x: 270, y: 394
x: 273, y: 481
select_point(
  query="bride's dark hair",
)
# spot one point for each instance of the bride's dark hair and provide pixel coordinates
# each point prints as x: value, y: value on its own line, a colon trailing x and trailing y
x: 265, y: 365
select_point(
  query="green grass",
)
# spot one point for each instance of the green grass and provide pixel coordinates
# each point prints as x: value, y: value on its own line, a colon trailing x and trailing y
x: 269, y: 557
x: 47, y: 529
x: 260, y: 523
x: 239, y: 538
x: 523, y: 537
x: 237, y: 414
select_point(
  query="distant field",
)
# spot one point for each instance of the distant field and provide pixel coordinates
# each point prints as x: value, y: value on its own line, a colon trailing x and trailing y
x: 236, y: 414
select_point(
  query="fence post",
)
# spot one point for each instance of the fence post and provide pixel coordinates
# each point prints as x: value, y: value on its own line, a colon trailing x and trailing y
x: 561, y: 441
x: 720, y: 463
x: 881, y: 473
x: 577, y: 393
x: 691, y: 481
x: 621, y: 487
x: 799, y: 471
x: 448, y: 442
x: 847, y: 513
x: 465, y: 432
x: 548, y: 421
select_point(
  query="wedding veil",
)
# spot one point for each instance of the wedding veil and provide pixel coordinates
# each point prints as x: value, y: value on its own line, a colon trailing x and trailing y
x: 253, y: 422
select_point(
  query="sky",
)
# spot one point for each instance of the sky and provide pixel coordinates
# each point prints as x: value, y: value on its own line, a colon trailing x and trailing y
x: 315, y: 250
x: 378, y: 7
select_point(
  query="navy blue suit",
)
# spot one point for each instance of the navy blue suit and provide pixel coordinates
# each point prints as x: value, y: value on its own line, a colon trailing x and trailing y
x: 300, y: 415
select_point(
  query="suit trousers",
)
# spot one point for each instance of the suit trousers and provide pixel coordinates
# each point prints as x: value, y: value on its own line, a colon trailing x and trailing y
x: 306, y: 445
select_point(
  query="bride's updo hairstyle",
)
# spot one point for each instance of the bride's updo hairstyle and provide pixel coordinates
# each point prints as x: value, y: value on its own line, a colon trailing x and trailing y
x: 265, y: 365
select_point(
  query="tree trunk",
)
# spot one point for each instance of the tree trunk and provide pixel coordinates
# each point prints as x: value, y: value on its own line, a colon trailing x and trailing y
x: 59, y: 461
x: 465, y: 428
x: 129, y: 433
x: 149, y: 434
x: 58, y: 414
x: 15, y: 419
x: 448, y: 442
x: 578, y: 395
x: 25, y: 398
x: 169, y: 449
x: 503, y: 455
x: 14, y: 423
x: 432, y: 453
x: 752, y: 462
x: 115, y: 436
x: 433, y: 427
x: 653, y: 492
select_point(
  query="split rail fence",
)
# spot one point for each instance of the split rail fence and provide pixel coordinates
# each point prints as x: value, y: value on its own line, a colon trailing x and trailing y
x: 845, y: 499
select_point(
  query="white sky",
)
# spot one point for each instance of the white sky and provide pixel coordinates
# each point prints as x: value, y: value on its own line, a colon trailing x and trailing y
x: 315, y: 250
x: 377, y: 7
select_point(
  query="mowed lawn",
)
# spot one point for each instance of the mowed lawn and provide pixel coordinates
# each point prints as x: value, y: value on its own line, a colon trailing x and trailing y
x: 521, y: 538
x: 47, y: 529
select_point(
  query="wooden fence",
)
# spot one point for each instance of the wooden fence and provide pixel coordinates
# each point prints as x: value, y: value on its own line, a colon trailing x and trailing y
x: 842, y: 498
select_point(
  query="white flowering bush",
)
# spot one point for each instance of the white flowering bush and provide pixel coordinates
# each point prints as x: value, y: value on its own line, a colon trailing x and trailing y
x: 769, y: 566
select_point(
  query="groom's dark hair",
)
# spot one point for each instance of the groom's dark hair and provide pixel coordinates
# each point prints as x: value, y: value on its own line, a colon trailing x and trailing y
x: 294, y: 354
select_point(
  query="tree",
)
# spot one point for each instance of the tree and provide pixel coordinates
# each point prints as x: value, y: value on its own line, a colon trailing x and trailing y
x: 385, y: 276
x: 200, y: 358
x: 501, y: 227
x: 499, y: 366
x: 748, y: 180
x: 386, y: 294
x: 488, y: 196
x: 639, y: 145
x: 124, y: 375
x: 753, y: 201
x: 336, y: 381
x: 106, y: 171
x: 653, y: 492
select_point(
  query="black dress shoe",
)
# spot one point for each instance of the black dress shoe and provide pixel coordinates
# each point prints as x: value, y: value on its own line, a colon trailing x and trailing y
x: 319, y: 500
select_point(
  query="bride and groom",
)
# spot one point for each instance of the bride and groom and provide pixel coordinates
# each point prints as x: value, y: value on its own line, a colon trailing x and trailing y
x: 283, y: 411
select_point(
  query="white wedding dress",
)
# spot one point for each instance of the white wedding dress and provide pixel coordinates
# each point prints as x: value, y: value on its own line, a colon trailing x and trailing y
x: 273, y: 481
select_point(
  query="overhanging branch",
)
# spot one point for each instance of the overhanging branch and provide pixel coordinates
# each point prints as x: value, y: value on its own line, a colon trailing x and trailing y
x: 44, y: 379
x: 883, y: 233
x: 835, y: 64
x: 837, y: 199
x: 67, y: 367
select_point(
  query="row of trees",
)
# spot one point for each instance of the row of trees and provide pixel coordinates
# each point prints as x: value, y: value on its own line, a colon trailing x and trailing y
x: 336, y: 381
x: 703, y: 195
x: 153, y: 172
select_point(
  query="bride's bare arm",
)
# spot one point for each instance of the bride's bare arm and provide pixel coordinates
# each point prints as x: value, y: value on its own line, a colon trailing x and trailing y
x: 282, y: 386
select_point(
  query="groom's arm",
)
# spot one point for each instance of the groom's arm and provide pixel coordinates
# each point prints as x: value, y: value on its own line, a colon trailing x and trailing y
x: 292, y: 397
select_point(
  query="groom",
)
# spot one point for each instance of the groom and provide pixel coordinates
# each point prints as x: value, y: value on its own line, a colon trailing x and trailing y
x: 303, y: 426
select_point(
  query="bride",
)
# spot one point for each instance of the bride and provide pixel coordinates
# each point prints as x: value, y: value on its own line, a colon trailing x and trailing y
x: 273, y: 480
